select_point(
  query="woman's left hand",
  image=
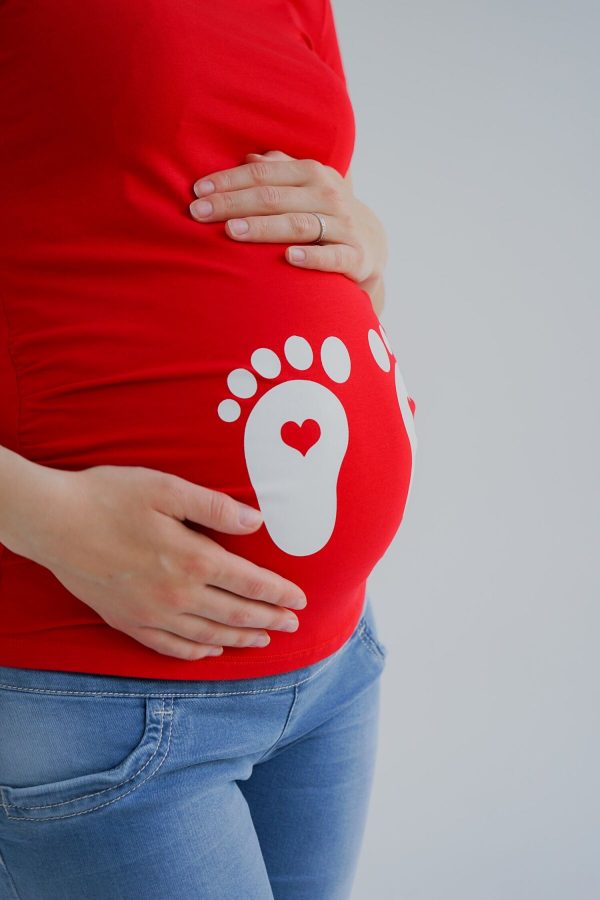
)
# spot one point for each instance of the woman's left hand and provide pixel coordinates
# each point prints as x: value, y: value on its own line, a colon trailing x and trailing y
x: 274, y: 192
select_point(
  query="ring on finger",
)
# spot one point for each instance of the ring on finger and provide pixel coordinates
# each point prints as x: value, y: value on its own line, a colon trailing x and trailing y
x: 322, y: 227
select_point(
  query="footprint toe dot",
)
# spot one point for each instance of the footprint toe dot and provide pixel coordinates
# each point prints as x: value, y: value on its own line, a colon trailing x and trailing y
x: 298, y: 352
x: 335, y: 359
x: 242, y: 383
x: 229, y: 410
x: 266, y: 362
x: 378, y: 350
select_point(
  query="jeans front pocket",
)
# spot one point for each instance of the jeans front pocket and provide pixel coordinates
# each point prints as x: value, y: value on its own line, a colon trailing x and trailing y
x: 63, y: 755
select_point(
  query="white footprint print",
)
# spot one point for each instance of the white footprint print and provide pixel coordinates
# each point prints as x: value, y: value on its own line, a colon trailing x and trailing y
x: 382, y: 353
x: 295, y: 440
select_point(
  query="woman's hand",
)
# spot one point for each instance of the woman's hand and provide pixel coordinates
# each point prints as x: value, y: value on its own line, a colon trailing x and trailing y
x: 114, y: 536
x: 269, y: 200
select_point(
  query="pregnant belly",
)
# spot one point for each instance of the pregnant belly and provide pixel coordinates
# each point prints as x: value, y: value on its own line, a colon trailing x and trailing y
x: 275, y: 385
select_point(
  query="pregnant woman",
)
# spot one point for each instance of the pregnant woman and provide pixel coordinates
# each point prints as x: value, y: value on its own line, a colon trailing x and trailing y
x: 198, y: 433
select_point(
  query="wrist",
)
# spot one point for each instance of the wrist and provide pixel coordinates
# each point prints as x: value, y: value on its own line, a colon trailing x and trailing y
x: 32, y: 506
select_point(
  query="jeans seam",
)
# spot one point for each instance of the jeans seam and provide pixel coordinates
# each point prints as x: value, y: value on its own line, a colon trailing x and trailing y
x: 369, y: 641
x: 283, y: 730
x: 285, y: 687
x: 8, y: 805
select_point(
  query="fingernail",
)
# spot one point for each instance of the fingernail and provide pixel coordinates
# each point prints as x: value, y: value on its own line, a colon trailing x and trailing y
x: 297, y: 254
x: 290, y: 623
x: 214, y: 651
x: 201, y: 207
x: 248, y: 515
x: 261, y: 641
x: 238, y: 226
x: 204, y: 187
x: 298, y: 603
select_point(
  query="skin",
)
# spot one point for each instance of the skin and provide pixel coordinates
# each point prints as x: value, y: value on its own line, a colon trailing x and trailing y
x: 272, y: 192
x: 115, y: 537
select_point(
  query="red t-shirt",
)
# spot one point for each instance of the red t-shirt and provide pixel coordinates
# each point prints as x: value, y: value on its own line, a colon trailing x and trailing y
x: 133, y: 335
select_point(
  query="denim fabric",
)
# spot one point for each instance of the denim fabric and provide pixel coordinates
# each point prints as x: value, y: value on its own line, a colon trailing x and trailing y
x: 118, y: 788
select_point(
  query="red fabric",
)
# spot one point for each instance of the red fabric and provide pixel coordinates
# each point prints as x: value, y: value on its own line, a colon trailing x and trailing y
x: 121, y: 317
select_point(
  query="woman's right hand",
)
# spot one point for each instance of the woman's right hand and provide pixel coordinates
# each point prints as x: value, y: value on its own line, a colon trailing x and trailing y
x: 116, y: 540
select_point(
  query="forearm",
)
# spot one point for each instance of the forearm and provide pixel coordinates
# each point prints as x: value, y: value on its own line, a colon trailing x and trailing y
x: 28, y: 502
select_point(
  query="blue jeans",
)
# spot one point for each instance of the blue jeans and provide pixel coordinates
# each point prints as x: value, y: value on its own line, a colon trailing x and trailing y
x: 119, y: 788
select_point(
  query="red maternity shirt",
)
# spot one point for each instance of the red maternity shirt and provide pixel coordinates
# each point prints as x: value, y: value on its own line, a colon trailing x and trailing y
x: 133, y: 335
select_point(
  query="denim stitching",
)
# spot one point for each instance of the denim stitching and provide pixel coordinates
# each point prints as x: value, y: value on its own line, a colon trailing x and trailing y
x: 108, y: 803
x: 104, y: 790
x: 288, y: 718
x: 369, y: 641
x: 15, y: 687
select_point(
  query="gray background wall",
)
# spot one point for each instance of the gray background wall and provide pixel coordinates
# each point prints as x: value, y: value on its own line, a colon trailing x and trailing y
x: 478, y: 146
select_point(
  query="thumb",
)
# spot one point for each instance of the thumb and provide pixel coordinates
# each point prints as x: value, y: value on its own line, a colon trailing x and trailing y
x: 214, y: 509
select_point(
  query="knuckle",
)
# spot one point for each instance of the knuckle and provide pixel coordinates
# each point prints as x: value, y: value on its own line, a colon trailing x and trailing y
x: 240, y: 617
x: 225, y: 182
x: 228, y: 201
x: 174, y: 600
x: 170, y: 492
x: 303, y: 223
x: 333, y: 198
x: 260, y: 226
x: 313, y: 166
x: 198, y: 565
x: 259, y: 171
x: 270, y: 196
x: 189, y: 562
x: 217, y: 506
x: 208, y: 633
x: 254, y: 587
x: 212, y: 564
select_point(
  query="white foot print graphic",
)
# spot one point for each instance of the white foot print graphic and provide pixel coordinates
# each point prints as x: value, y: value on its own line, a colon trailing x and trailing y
x: 382, y: 352
x: 295, y: 440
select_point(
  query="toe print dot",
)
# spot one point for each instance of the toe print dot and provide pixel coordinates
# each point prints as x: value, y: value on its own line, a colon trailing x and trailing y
x: 266, y: 362
x: 298, y: 352
x: 229, y: 410
x: 385, y: 338
x: 242, y: 383
x: 378, y: 350
x: 335, y: 359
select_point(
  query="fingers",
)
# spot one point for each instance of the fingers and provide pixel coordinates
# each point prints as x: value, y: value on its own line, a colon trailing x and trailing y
x: 328, y: 258
x: 264, y: 199
x: 169, y: 644
x: 303, y: 227
x: 236, y: 617
x: 240, y: 576
x: 207, y: 631
x: 260, y: 172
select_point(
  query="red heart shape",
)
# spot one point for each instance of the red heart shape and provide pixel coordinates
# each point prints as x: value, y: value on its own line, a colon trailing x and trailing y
x: 301, y: 437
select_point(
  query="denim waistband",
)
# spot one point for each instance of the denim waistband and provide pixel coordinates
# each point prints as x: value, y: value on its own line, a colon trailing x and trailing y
x: 52, y: 681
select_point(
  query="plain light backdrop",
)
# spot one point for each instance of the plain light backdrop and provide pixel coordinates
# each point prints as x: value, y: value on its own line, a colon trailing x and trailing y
x: 478, y: 145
